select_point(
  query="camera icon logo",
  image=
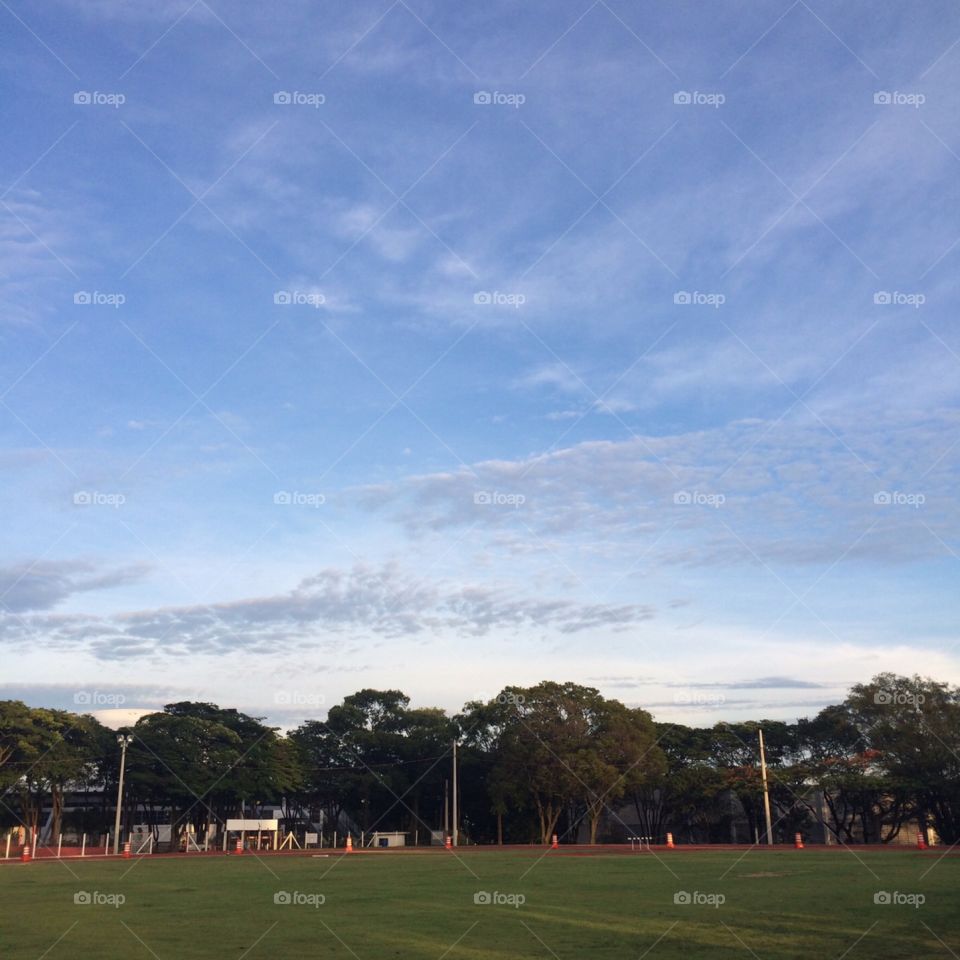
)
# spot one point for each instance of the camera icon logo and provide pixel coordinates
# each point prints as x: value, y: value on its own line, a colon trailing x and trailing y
x: 82, y: 499
x: 882, y: 297
x: 682, y: 497
x: 682, y: 97
x: 282, y: 897
x: 482, y: 97
x: 82, y: 96
x: 282, y: 297
x: 883, y: 697
x: 882, y: 897
x: 282, y: 498
x: 882, y: 498
x: 82, y: 297
x: 82, y: 698
x: 682, y: 898
x: 82, y: 898
x: 682, y: 297
x: 482, y: 898
x: 882, y: 97
x: 482, y: 298
x: 282, y: 96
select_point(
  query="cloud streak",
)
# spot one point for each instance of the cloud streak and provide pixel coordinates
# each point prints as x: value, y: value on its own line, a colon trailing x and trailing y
x: 329, y: 610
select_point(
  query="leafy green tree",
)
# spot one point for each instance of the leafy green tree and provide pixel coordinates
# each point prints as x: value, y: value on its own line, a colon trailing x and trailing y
x: 19, y: 742
x: 913, y: 724
x: 684, y: 797
x: 206, y: 763
x: 861, y: 801
x: 377, y: 761
x: 567, y: 749
x: 620, y: 755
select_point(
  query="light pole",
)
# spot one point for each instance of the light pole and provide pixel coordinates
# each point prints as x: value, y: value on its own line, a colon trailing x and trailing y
x: 766, y: 789
x: 124, y: 740
x: 456, y: 807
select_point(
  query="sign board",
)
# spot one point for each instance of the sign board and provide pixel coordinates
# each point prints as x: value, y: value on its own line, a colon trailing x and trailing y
x: 309, y: 838
x: 239, y: 825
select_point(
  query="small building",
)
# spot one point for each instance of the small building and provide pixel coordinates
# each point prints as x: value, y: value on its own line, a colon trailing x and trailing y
x: 393, y: 839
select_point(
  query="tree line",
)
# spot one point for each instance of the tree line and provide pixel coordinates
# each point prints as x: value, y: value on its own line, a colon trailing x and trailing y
x: 532, y: 761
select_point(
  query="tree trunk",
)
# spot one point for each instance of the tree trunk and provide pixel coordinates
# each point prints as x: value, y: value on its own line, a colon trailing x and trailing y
x: 56, y: 804
x: 549, y: 822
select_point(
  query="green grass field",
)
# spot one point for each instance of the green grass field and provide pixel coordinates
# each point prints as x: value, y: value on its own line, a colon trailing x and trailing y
x: 786, y: 903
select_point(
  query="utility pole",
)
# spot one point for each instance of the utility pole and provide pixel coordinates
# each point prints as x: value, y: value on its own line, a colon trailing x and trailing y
x: 766, y: 789
x: 124, y: 740
x: 446, y: 808
x: 454, y: 830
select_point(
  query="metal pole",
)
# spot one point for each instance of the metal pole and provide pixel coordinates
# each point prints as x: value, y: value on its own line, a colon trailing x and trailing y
x: 446, y: 807
x: 83, y: 846
x: 123, y: 740
x: 455, y: 831
x: 766, y: 790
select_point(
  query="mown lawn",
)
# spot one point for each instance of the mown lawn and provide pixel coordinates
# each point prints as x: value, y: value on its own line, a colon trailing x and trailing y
x: 782, y: 904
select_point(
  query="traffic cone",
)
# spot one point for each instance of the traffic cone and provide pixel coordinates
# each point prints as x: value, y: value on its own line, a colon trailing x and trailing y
x: 349, y: 843
x: 798, y: 841
x: 555, y: 843
x: 239, y: 847
x: 670, y: 843
x: 921, y: 840
x: 126, y: 850
x: 448, y: 843
x: 25, y: 854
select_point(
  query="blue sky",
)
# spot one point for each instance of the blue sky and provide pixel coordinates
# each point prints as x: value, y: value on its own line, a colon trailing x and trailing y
x: 431, y: 347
